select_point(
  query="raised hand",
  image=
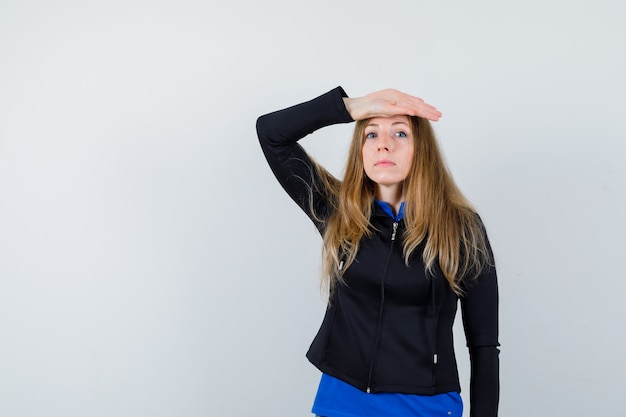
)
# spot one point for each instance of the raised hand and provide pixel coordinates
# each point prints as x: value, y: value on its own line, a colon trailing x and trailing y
x: 390, y: 102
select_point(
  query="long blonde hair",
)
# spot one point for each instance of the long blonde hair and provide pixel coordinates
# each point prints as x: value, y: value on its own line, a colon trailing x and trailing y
x: 436, y: 212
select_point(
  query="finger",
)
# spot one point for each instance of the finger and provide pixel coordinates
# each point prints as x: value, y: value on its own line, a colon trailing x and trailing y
x: 419, y: 105
x: 429, y: 112
x: 393, y: 108
x: 409, y: 111
x: 432, y: 114
x: 393, y: 102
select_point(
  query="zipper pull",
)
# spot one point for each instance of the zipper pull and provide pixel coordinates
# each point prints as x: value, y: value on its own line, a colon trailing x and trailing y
x: 368, y: 390
x: 435, y: 359
x: 395, y: 228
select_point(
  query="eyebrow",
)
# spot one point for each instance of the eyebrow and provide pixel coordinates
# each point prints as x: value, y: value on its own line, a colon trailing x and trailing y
x: 393, y: 124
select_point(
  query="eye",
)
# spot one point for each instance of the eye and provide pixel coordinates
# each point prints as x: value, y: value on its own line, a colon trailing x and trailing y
x: 401, y: 134
x: 370, y: 135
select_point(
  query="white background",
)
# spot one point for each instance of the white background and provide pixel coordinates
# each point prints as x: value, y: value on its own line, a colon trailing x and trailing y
x: 150, y: 265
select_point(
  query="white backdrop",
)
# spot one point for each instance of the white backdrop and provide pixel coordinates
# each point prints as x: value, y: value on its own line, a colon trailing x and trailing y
x: 150, y: 265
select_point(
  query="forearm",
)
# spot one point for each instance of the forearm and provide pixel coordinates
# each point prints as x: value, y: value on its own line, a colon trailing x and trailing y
x: 485, y: 381
x: 278, y: 134
x: 285, y: 127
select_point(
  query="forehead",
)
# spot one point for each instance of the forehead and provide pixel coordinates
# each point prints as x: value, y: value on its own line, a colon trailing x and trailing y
x: 388, y: 121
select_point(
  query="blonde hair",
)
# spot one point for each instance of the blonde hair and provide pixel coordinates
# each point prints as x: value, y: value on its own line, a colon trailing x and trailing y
x: 436, y: 212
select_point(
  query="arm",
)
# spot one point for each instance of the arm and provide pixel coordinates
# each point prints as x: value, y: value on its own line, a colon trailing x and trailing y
x: 279, y: 133
x: 479, y: 306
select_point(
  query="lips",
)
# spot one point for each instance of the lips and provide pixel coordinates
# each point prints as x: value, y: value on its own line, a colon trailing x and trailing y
x: 384, y: 163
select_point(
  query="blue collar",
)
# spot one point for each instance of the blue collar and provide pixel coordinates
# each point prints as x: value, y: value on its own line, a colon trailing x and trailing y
x: 387, y: 209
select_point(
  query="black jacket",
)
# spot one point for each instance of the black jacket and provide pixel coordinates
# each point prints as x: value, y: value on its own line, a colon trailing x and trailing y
x: 389, y: 327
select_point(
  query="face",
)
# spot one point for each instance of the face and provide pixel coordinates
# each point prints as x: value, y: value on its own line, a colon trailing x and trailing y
x: 388, y: 151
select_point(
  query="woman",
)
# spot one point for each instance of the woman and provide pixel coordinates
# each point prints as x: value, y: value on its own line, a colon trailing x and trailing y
x: 401, y: 247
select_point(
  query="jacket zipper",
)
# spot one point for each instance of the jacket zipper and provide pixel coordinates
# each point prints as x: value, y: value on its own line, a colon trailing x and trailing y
x: 380, y: 312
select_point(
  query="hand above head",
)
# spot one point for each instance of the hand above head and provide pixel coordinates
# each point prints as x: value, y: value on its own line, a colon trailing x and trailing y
x: 387, y: 103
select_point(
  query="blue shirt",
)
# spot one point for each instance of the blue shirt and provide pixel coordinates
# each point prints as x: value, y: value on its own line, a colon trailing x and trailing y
x: 336, y: 398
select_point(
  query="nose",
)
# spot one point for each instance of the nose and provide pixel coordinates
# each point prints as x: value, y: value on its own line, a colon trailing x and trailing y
x: 385, y: 143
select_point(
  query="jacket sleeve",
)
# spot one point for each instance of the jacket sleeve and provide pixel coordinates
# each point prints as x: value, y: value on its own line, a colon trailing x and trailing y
x: 479, y: 307
x: 278, y: 134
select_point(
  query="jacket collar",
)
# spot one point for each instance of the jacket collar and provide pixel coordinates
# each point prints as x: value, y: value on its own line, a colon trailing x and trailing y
x: 382, y: 208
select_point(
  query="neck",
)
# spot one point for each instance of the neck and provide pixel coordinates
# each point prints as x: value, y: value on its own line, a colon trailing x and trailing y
x: 391, y: 195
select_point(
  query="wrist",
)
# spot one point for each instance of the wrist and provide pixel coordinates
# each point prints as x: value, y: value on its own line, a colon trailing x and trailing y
x: 352, y: 105
x: 347, y: 101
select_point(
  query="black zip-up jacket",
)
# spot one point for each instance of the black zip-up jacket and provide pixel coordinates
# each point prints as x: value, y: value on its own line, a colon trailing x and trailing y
x: 388, y: 328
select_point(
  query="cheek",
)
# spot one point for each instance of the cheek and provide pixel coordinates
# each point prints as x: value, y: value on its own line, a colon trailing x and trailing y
x: 408, y: 160
x: 366, y: 161
x: 411, y: 157
x: 366, y: 154
x: 408, y: 153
